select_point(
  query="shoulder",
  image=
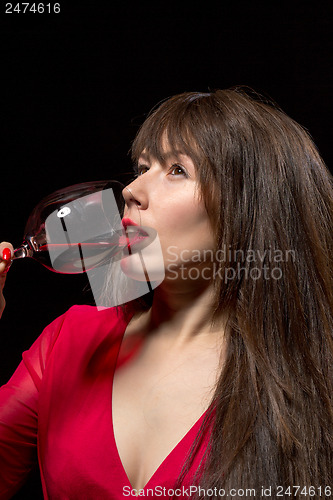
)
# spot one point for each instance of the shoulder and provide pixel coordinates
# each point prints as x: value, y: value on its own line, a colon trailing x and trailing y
x: 83, y: 322
x: 83, y: 327
x: 82, y: 335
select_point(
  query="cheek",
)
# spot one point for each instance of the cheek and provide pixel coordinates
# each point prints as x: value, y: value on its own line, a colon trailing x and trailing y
x: 181, y: 220
x: 190, y: 233
x: 180, y: 212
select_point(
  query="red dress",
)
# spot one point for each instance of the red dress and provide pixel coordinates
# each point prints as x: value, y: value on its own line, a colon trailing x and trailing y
x: 56, y: 409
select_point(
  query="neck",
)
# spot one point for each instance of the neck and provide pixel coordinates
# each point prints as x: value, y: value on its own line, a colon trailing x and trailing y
x: 183, y: 312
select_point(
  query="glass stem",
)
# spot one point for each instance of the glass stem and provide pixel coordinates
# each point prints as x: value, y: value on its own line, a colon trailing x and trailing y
x: 23, y: 251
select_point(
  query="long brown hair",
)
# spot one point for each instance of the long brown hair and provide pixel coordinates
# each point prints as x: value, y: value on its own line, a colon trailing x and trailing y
x: 268, y: 193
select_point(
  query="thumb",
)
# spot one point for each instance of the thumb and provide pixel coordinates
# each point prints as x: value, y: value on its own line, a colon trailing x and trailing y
x: 6, y: 253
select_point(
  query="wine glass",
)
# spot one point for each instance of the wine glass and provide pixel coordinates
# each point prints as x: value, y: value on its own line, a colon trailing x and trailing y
x: 78, y: 228
x: 82, y: 228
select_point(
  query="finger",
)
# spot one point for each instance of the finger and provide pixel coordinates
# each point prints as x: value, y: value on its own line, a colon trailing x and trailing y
x: 6, y: 254
x: 6, y: 245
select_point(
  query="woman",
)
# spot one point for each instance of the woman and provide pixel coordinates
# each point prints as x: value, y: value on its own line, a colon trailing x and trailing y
x: 221, y: 379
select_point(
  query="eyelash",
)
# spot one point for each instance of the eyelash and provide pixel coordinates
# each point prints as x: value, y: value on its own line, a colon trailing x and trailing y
x: 138, y: 168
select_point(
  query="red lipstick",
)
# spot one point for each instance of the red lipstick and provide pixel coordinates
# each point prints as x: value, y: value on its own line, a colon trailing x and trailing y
x: 128, y: 222
x: 133, y: 233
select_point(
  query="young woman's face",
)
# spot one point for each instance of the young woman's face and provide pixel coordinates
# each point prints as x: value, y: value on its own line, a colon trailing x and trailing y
x: 165, y: 197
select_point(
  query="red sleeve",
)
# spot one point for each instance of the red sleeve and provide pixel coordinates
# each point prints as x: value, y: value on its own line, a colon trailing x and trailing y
x: 19, y: 413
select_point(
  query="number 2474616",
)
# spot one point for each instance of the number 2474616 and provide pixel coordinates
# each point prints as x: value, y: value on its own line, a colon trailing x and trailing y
x: 34, y: 8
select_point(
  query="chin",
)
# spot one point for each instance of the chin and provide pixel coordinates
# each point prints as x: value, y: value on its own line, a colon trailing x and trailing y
x: 141, y: 268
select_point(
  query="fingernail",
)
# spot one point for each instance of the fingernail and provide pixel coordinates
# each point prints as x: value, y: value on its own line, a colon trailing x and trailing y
x: 6, y: 254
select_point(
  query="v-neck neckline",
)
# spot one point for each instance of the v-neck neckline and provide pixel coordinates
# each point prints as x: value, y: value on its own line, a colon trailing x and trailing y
x: 193, y: 429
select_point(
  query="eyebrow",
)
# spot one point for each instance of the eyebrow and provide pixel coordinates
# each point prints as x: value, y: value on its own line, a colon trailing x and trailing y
x: 166, y: 156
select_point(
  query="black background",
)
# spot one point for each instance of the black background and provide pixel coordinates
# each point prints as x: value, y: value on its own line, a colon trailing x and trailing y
x: 76, y: 85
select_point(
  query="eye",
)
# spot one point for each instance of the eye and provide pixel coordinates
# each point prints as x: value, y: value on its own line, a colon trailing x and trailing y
x: 178, y: 170
x: 175, y: 170
x: 139, y: 169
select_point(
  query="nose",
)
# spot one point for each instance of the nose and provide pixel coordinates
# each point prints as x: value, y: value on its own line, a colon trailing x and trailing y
x: 135, y: 194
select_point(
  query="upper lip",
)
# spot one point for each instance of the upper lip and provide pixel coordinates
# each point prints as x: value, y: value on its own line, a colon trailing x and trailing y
x: 126, y: 222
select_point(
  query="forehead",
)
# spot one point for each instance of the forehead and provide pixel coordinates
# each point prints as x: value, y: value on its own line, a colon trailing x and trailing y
x: 168, y: 148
